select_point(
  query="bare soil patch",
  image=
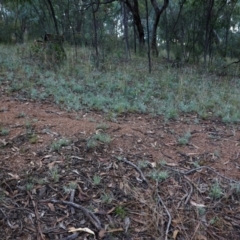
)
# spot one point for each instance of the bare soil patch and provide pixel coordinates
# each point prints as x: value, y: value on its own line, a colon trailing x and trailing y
x: 153, y: 180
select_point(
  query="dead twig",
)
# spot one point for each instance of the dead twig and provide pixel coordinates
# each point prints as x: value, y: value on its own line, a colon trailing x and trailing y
x: 90, y: 215
x: 71, y: 237
x: 133, y: 165
x: 231, y: 63
x: 169, y: 216
x: 37, y: 218
x: 191, y: 190
x: 72, y: 194
x: 209, y: 168
x: 200, y: 168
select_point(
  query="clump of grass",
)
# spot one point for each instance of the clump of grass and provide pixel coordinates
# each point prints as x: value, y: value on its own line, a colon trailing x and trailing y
x: 21, y: 115
x: 201, y: 211
x: 102, y: 126
x: 57, y: 145
x: 103, y: 138
x: 33, y: 139
x: 106, y: 198
x: 96, y: 180
x: 91, y: 143
x: 99, y: 138
x: 215, y: 191
x: 159, y: 176
x: 184, y: 140
x: 236, y: 188
x: 120, y: 211
x: 4, y: 131
x: 214, y: 221
x: 111, y: 116
x: 28, y: 125
x: 119, y: 158
x: 70, y: 187
x: 54, y: 174
x: 41, y: 181
x: 29, y: 128
x: 2, y: 196
x: 29, y: 186
x: 143, y: 164
x: 163, y: 162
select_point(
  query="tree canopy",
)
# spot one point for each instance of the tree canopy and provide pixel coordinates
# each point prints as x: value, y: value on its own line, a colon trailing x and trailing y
x: 185, y: 30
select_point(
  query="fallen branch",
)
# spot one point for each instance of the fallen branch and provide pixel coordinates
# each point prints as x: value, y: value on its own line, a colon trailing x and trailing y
x: 72, y: 194
x: 71, y: 237
x: 203, y: 167
x: 133, y: 165
x: 90, y: 215
x: 39, y: 229
x: 191, y: 190
x: 232, y: 63
x: 169, y: 216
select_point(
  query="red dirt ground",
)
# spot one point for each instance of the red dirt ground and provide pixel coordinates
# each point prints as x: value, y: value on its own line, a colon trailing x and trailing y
x: 213, y: 146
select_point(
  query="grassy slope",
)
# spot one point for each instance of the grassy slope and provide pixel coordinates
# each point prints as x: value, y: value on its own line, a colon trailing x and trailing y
x: 119, y: 86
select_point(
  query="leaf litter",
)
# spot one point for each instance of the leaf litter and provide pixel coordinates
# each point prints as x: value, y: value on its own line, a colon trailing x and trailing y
x: 137, y: 182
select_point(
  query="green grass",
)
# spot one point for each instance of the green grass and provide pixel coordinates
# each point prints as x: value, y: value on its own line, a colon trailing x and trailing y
x: 97, y: 139
x: 107, y: 198
x: 96, y: 179
x: 56, y: 146
x: 159, y: 175
x: 102, y: 138
x: 120, y: 211
x: 91, y: 143
x: 215, y: 191
x: 102, y: 126
x: 70, y: 187
x: 143, y: 164
x: 54, y: 174
x: 4, y: 131
x: 33, y: 138
x: 29, y: 186
x: 21, y: 115
x: 184, y: 140
x: 121, y: 88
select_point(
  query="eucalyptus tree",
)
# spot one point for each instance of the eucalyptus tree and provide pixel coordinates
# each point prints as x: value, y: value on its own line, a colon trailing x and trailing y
x: 16, y: 18
x: 158, y: 12
x: 133, y: 6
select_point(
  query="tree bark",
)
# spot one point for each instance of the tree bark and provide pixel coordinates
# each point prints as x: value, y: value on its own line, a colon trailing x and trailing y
x: 158, y: 13
x: 94, y: 10
x: 148, y: 40
x: 53, y: 16
x: 209, y: 10
x: 125, y: 24
x: 133, y: 7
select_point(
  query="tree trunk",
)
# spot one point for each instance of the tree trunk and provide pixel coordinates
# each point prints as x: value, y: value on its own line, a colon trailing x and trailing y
x: 95, y: 32
x: 158, y: 13
x: 134, y: 39
x: 207, y: 29
x: 148, y: 40
x: 125, y: 24
x: 53, y: 16
x: 227, y: 29
x: 167, y: 36
x: 133, y: 7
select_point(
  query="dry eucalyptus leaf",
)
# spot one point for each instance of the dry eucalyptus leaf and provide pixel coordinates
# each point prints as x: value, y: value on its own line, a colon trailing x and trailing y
x: 15, y: 176
x: 175, y: 233
x: 197, y: 204
x: 51, y: 206
x: 101, y: 233
x: 200, y: 237
x: 87, y: 230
